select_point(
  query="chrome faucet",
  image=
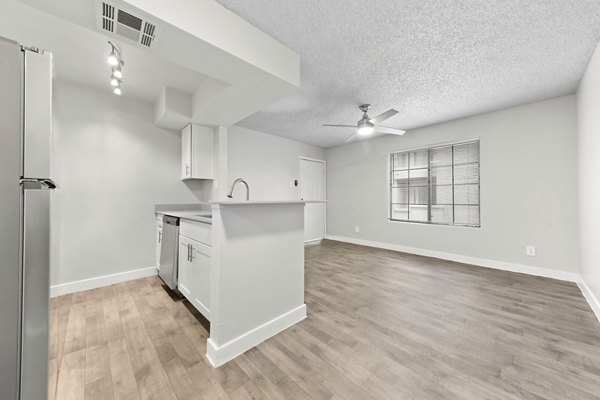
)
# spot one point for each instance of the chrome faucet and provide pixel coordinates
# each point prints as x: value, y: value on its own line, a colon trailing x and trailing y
x: 230, y: 195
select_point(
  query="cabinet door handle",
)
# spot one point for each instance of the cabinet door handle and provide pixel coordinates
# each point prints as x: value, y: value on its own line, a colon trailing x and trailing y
x: 159, y: 237
x: 187, y: 169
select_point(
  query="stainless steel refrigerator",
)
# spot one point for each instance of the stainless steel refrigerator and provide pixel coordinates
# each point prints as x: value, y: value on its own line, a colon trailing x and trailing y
x: 25, y: 183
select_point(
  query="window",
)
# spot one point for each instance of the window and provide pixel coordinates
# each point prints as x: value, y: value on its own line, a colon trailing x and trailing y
x: 436, y: 185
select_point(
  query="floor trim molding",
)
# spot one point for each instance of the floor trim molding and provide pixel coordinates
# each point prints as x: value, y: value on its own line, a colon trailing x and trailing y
x: 313, y: 242
x: 590, y: 297
x: 218, y: 356
x: 106, y: 280
x: 480, y: 262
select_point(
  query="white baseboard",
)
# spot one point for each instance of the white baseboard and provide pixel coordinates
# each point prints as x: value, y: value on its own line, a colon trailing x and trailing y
x: 481, y: 262
x: 106, y: 280
x: 219, y: 355
x: 589, y: 296
x: 313, y: 242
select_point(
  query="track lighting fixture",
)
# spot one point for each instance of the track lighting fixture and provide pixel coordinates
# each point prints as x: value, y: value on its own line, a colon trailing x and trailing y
x: 115, y: 60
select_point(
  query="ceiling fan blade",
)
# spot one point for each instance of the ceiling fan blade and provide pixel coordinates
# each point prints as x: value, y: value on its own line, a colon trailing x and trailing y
x: 387, y: 129
x: 340, y: 126
x: 350, y: 138
x: 383, y: 116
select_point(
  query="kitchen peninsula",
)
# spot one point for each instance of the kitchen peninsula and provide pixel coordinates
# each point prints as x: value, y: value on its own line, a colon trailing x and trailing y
x: 243, y: 268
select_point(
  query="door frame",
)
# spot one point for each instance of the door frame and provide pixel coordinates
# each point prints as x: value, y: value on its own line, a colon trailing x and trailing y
x: 303, y: 158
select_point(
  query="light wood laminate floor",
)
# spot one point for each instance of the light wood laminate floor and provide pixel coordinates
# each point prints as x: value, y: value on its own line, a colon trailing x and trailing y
x: 381, y: 325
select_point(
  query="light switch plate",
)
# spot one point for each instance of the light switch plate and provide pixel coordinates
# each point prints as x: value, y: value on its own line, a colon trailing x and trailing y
x: 530, y: 251
x: 357, y: 229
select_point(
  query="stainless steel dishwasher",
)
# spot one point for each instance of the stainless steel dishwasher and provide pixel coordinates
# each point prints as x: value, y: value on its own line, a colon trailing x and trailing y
x: 169, y: 252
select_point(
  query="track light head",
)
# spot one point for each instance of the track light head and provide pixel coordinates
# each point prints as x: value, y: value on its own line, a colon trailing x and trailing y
x: 117, y: 73
x: 112, y: 59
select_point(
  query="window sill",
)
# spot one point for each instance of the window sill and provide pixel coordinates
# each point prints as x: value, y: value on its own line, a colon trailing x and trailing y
x: 431, y: 223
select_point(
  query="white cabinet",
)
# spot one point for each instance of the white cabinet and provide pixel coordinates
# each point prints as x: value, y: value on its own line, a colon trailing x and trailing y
x: 197, y: 144
x: 200, y: 254
x: 185, y: 278
x: 198, y: 231
x: 194, y: 273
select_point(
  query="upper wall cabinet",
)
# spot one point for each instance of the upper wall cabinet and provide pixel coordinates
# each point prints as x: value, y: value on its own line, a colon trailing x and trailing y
x: 197, y: 152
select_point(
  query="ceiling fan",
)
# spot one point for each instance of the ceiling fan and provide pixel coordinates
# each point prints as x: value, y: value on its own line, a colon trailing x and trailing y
x: 367, y: 125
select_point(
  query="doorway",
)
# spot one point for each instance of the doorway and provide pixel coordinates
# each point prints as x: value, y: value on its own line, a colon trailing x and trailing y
x: 312, y: 176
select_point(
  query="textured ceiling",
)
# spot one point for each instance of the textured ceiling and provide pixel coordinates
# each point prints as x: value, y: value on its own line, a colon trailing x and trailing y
x: 431, y: 60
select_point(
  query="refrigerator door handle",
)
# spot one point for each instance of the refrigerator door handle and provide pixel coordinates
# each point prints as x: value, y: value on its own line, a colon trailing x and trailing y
x: 38, y: 183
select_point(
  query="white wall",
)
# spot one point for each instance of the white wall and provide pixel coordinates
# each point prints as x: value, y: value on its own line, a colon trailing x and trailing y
x: 112, y: 165
x: 588, y: 107
x: 528, y: 188
x: 268, y: 163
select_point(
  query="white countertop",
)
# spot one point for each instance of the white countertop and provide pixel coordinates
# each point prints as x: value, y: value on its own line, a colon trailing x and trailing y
x: 199, y: 213
x: 251, y: 202
x: 198, y: 216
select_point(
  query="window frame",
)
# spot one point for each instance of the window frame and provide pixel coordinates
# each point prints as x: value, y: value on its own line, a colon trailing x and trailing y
x: 429, y: 148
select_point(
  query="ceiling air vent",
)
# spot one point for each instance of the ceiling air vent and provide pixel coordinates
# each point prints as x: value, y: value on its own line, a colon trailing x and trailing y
x: 108, y: 17
x: 148, y: 34
x: 126, y: 24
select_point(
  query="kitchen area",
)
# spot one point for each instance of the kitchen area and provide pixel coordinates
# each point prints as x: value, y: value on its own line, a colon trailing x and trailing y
x: 238, y: 261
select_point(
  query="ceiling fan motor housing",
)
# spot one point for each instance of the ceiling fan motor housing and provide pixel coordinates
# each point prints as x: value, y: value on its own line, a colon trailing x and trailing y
x: 365, y: 122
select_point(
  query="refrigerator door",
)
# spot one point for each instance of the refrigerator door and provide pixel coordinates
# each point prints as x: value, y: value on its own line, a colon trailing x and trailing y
x: 38, y: 115
x: 11, y: 66
x: 36, y: 293
x: 36, y: 224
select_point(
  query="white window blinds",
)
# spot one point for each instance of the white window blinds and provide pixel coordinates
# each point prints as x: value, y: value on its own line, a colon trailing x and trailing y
x: 436, y: 185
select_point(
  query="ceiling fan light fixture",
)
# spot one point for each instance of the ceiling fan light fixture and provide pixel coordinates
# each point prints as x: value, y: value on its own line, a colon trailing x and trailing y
x: 365, y: 128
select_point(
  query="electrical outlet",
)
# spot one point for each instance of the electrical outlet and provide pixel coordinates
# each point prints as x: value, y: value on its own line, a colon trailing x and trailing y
x: 357, y: 229
x: 530, y: 251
